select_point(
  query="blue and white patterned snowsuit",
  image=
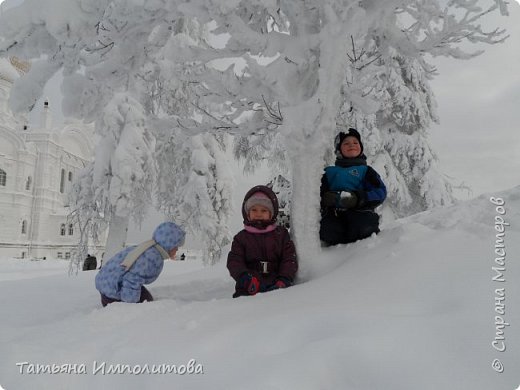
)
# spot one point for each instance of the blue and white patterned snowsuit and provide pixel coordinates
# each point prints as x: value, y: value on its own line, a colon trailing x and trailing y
x: 115, y: 282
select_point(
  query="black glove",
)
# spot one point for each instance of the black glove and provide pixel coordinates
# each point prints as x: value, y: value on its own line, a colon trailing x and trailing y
x: 348, y: 200
x: 328, y: 199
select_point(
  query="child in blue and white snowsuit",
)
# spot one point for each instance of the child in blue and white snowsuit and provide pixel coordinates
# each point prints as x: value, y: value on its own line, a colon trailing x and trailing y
x: 350, y: 191
x: 122, y: 278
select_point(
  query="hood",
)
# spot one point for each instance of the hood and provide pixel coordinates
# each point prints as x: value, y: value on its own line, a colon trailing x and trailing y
x: 272, y: 197
x: 169, y: 235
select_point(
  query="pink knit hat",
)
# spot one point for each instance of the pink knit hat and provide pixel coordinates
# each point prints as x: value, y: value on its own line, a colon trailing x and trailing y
x: 261, y: 199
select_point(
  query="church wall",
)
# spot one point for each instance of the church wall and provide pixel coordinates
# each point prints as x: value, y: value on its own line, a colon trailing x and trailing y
x: 39, y: 201
x: 16, y: 200
x: 33, y: 202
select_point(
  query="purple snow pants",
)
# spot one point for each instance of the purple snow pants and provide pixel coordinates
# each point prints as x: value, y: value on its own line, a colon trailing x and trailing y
x: 145, y: 296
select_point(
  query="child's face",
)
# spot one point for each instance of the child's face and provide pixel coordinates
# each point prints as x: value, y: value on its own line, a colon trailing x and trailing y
x: 259, y: 213
x: 173, y: 252
x: 350, y: 147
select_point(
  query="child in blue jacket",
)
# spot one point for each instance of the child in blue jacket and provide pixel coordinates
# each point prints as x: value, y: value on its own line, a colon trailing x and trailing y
x: 350, y: 191
x: 122, y: 278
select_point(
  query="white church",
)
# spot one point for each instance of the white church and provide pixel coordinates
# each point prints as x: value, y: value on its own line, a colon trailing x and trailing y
x: 37, y: 165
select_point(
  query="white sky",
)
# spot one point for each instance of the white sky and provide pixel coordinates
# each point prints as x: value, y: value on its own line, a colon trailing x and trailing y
x: 478, y: 139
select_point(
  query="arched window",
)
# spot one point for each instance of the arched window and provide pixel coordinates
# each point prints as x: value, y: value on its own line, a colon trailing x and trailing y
x: 28, y: 183
x: 71, y: 230
x: 70, y: 176
x: 24, y: 226
x: 3, y: 177
x: 62, y: 229
x: 62, y: 181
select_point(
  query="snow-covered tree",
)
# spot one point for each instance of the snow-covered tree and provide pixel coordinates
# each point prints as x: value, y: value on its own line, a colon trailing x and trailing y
x: 87, y: 216
x: 282, y: 188
x: 316, y: 72
x: 395, y: 108
x: 124, y: 167
x: 398, y: 104
x: 198, y: 192
x: 293, y: 71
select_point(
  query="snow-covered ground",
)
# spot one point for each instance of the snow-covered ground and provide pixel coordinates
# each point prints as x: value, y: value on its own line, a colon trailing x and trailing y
x: 414, y: 308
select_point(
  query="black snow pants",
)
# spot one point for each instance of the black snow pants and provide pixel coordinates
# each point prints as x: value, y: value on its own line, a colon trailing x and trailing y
x: 344, y: 226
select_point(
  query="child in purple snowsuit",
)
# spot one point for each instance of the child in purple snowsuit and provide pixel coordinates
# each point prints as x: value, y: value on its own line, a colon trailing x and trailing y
x: 262, y: 256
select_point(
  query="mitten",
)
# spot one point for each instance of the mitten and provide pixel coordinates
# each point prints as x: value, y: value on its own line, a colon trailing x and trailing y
x: 249, y: 283
x: 348, y: 200
x: 328, y: 199
x: 280, y: 282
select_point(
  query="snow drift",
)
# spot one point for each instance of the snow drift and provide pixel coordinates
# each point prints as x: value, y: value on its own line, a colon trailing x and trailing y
x: 427, y: 304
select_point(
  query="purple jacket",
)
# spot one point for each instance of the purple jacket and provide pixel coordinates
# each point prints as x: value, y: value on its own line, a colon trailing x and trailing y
x: 275, y: 248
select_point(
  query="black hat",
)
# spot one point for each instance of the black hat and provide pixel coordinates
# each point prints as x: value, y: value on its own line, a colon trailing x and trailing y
x: 342, y: 135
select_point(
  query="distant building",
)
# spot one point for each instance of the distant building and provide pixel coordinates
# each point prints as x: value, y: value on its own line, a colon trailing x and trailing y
x: 37, y: 167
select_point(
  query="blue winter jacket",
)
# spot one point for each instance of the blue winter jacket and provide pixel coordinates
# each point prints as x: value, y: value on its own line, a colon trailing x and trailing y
x: 355, y: 176
x: 115, y: 282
